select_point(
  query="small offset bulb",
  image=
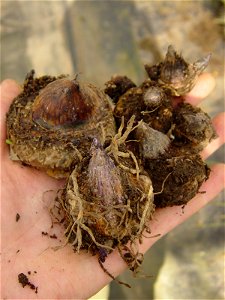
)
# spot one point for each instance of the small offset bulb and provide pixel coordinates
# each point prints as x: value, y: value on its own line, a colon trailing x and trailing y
x: 178, y: 75
x: 153, y: 97
x: 175, y: 73
x: 152, y: 143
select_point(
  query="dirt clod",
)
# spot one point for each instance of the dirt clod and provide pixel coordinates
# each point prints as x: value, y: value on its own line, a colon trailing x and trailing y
x: 24, y: 281
x: 44, y: 233
x: 53, y: 236
x: 17, y: 217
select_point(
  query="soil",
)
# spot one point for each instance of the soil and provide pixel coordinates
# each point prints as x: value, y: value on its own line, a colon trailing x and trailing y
x: 24, y: 281
x: 52, y: 236
x: 17, y: 217
x: 176, y: 180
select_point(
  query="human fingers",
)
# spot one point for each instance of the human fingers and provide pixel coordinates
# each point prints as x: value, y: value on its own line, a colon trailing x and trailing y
x: 218, y: 123
x: 203, y: 87
x: 9, y: 89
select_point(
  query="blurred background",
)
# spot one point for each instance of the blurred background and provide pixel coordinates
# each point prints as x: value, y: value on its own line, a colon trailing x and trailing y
x: 97, y: 39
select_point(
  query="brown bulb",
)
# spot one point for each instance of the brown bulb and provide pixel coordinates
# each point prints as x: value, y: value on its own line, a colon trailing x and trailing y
x: 61, y: 103
x: 152, y: 143
x: 178, y: 75
x: 53, y: 121
x: 193, y: 127
x: 153, y: 96
x: 175, y: 73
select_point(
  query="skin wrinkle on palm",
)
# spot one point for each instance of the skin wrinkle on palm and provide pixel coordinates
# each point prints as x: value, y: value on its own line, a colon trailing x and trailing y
x: 63, y: 269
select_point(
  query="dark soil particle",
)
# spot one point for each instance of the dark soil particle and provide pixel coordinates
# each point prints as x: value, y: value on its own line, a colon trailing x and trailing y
x: 44, y: 233
x: 17, y: 217
x: 53, y: 236
x: 24, y: 281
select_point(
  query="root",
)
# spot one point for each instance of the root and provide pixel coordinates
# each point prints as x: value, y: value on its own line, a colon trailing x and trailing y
x: 82, y: 213
x: 131, y: 257
x: 76, y: 213
x: 163, y: 184
x: 79, y: 155
x: 111, y: 276
x: 55, y: 211
x: 120, y: 139
x: 146, y: 211
x: 103, y: 132
x: 146, y: 112
x: 152, y: 236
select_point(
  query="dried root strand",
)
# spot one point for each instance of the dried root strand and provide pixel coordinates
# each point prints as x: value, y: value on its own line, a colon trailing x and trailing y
x: 131, y: 255
x: 163, y: 184
x: 111, y: 276
x: 118, y: 140
x: 146, y: 210
x: 76, y: 214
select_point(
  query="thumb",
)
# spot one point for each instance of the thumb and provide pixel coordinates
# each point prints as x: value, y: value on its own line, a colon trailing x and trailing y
x: 9, y: 89
x: 203, y: 87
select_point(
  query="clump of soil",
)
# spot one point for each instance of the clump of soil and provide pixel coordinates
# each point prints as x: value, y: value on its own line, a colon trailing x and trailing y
x: 176, y: 180
x: 17, y: 217
x: 24, y: 281
x: 119, y: 161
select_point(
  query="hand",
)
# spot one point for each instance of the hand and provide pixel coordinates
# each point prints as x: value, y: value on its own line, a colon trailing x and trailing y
x: 63, y: 273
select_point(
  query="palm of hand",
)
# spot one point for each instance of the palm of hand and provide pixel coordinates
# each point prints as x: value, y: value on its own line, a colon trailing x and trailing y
x: 60, y: 273
x: 23, y: 244
x: 26, y: 249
